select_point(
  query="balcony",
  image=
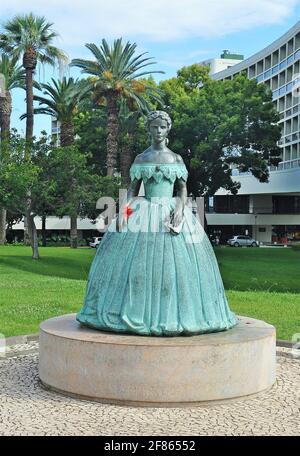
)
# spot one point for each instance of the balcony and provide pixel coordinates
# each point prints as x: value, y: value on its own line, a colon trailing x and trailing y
x: 285, y: 178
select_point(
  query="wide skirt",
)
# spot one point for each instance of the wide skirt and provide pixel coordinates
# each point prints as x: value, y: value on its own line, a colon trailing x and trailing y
x: 148, y: 281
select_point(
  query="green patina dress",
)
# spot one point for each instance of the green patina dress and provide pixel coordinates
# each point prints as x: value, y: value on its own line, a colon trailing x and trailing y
x: 147, y: 281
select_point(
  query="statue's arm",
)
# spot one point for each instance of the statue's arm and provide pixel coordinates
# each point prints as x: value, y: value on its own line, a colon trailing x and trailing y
x: 132, y: 193
x: 133, y: 190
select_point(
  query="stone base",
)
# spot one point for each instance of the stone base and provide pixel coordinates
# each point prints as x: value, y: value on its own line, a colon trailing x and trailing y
x: 156, y: 371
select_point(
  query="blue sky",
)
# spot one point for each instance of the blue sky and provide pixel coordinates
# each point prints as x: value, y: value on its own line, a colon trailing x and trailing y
x: 174, y: 32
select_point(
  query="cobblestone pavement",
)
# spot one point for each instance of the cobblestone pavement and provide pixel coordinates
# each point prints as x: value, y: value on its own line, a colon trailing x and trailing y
x: 27, y: 409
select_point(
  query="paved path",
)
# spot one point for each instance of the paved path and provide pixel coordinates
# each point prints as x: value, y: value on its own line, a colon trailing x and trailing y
x: 27, y: 409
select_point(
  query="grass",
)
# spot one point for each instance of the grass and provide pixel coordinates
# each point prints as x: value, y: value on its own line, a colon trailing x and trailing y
x: 260, y: 283
x: 264, y: 269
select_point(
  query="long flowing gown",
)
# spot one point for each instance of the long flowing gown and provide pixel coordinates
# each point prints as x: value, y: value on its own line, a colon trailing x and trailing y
x: 148, y: 281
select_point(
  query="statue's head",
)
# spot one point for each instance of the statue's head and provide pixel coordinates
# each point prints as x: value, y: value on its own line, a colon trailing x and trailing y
x: 158, y: 124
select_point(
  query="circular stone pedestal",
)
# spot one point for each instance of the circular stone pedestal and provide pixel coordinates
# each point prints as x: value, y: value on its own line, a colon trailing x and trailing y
x: 156, y: 371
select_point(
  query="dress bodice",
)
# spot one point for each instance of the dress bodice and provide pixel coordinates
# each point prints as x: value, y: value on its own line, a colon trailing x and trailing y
x: 158, y: 178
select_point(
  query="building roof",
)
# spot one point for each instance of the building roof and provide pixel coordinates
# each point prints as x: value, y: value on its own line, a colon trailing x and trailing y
x: 259, y: 55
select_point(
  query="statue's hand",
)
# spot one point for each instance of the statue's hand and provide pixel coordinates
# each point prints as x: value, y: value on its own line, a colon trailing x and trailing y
x: 177, y: 216
x: 122, y: 218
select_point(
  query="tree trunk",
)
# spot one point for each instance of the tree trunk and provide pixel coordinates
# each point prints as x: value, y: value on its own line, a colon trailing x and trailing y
x: 112, y: 133
x: 44, y: 233
x: 29, y: 63
x: 125, y: 160
x: 27, y: 235
x: 33, y: 237
x: 66, y: 133
x: 5, y: 113
x: 73, y: 232
x: 2, y: 226
x: 67, y: 139
x: 29, y: 107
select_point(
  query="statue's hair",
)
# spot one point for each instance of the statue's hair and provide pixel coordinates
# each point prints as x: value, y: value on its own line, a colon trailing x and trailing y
x: 153, y: 115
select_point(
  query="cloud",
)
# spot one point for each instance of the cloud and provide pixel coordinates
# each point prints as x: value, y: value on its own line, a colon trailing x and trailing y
x: 81, y: 21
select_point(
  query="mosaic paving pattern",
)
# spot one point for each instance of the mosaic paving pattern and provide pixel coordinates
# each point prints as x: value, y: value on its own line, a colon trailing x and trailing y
x: 27, y: 409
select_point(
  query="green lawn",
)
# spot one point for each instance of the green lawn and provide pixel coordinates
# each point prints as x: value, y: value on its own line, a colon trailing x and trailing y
x: 261, y: 283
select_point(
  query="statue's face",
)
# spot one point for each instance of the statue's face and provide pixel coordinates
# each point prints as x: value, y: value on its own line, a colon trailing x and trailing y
x: 158, y: 130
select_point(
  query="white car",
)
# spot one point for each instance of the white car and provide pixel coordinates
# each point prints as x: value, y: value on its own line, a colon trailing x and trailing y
x: 95, y: 243
x: 243, y: 240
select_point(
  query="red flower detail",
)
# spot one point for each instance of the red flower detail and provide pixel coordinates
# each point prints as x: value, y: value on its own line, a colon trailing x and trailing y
x: 127, y: 211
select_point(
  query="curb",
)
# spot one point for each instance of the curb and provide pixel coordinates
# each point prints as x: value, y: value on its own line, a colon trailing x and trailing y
x: 285, y: 343
x: 20, y: 340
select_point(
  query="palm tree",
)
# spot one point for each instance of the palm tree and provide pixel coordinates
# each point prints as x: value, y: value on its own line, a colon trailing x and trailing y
x: 30, y: 37
x: 115, y: 70
x: 12, y: 77
x: 62, y: 100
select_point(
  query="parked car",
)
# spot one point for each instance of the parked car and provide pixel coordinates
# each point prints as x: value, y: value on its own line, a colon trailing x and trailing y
x: 242, y: 240
x: 95, y: 242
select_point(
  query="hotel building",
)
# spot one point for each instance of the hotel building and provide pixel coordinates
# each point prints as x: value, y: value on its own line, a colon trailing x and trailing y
x: 270, y: 212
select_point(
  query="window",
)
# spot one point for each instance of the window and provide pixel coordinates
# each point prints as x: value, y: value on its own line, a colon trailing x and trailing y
x: 289, y: 87
x: 286, y: 204
x: 231, y: 204
x: 260, y: 66
x: 275, y: 57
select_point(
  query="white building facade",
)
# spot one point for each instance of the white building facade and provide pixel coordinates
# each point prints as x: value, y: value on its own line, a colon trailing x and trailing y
x: 227, y: 59
x: 268, y: 211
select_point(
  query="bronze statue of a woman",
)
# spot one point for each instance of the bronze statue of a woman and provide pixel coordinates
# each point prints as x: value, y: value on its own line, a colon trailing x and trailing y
x: 155, y: 272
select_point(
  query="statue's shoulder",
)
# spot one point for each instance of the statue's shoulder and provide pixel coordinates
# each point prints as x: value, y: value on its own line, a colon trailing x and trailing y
x: 176, y: 157
x: 140, y: 158
x: 179, y: 159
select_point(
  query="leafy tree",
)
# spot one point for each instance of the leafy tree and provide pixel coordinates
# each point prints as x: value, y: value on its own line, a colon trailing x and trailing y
x: 59, y: 180
x: 62, y: 100
x: 90, y: 131
x: 115, y: 72
x: 218, y: 124
x: 19, y: 175
x: 73, y: 186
